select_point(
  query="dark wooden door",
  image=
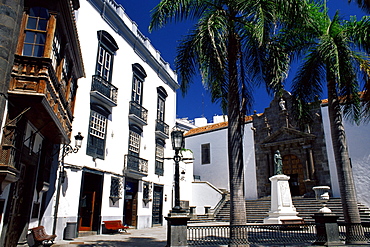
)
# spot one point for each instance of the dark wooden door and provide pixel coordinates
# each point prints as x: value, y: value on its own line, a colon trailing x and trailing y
x: 292, y: 166
x: 87, y: 211
x: 157, y: 205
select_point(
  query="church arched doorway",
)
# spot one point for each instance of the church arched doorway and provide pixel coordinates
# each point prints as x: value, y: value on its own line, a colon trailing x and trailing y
x: 292, y: 167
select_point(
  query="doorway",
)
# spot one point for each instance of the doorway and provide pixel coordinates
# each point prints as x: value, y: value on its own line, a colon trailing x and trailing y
x: 90, y: 202
x: 292, y: 167
x: 130, y: 207
x: 157, y: 205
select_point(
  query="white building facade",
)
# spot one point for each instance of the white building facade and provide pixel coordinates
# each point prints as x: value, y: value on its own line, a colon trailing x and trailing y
x: 125, y: 109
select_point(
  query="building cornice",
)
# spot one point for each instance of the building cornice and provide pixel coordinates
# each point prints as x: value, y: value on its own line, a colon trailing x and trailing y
x: 114, y: 15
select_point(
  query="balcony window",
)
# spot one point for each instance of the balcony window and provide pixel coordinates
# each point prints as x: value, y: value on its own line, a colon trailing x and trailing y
x: 35, y: 32
x: 160, y: 109
x: 139, y: 76
x: 137, y: 86
x: 106, y: 49
x: 104, y: 64
x: 161, y: 99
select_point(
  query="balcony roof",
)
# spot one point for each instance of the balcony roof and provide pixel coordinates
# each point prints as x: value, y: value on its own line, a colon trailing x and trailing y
x: 41, y: 115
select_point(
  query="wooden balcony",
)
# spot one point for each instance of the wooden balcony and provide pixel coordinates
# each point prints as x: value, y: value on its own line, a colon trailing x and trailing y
x: 34, y: 85
x: 104, y: 91
x: 135, y: 167
x: 138, y: 113
x: 161, y: 129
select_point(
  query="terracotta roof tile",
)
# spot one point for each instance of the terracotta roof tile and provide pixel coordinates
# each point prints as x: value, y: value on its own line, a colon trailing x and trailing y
x: 212, y: 127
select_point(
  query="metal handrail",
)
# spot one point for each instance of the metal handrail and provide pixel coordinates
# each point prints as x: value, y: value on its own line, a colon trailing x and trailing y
x: 104, y: 87
x: 135, y: 163
x: 138, y: 110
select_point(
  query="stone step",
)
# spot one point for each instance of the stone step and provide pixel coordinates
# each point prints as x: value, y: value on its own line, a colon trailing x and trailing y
x: 86, y: 233
x: 257, y: 210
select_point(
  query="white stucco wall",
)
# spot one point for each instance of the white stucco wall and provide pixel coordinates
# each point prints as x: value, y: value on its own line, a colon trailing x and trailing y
x: 159, y: 73
x: 357, y: 140
x: 204, y: 194
x: 217, y: 172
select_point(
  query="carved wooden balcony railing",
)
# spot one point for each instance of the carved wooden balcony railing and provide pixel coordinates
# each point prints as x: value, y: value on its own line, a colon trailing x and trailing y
x: 104, y: 91
x: 138, y: 113
x: 34, y: 84
x: 135, y: 167
x: 161, y: 129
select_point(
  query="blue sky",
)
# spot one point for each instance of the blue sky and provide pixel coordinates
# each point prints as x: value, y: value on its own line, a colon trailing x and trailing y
x: 197, y: 102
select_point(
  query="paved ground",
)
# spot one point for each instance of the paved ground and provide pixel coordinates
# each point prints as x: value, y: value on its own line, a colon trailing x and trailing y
x: 150, y: 237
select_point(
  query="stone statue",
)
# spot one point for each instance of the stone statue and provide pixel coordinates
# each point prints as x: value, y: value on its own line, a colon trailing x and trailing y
x: 278, y: 163
x: 282, y: 104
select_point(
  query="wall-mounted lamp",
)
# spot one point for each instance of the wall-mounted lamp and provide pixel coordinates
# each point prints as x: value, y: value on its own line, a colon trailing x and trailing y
x: 67, y: 149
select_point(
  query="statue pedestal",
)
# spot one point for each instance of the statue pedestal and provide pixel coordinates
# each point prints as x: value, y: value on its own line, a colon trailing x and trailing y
x: 282, y: 208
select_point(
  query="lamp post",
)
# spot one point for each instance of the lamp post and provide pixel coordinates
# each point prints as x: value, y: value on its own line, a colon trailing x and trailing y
x: 177, y: 138
x: 177, y: 219
x: 67, y: 149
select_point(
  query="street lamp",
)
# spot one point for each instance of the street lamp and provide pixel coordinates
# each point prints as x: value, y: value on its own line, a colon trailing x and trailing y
x: 178, y: 142
x: 67, y: 149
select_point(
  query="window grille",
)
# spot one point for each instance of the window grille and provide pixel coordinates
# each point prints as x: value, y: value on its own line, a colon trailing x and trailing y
x: 98, y: 125
x: 115, y: 189
x: 147, y: 188
x: 159, y: 155
x: 134, y: 143
x: 97, y: 134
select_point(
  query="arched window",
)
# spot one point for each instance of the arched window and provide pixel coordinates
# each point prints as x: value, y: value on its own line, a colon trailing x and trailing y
x: 35, y: 32
x: 107, y: 48
x: 137, y: 83
x: 161, y: 99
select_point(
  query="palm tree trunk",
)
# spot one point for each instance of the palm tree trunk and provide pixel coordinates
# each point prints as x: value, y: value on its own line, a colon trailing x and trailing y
x: 235, y: 142
x: 344, y: 169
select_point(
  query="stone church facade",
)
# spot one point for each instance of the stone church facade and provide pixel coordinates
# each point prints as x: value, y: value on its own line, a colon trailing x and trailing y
x: 303, y: 149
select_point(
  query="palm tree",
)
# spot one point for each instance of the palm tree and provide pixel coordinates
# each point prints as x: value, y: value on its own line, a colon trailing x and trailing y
x: 335, y: 51
x: 363, y: 4
x: 227, y: 46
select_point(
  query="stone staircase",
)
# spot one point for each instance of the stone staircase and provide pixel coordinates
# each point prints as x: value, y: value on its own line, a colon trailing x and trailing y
x: 306, y: 207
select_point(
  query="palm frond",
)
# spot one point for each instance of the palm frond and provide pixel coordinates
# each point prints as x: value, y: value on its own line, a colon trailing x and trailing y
x: 363, y: 4
x: 307, y: 84
x: 176, y: 10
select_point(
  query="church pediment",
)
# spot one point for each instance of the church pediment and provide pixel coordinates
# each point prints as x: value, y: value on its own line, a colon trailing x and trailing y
x: 286, y: 136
